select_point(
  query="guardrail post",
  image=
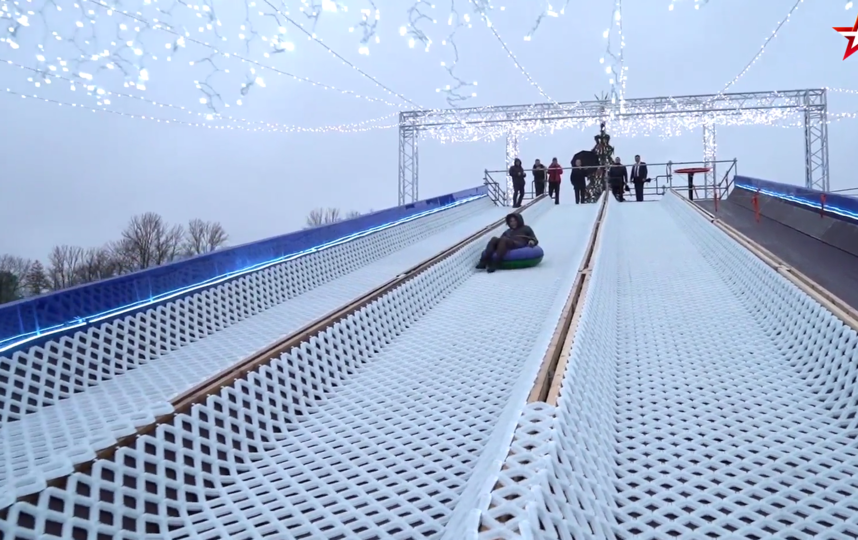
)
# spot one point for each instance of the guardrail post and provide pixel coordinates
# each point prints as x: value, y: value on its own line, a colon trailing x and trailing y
x: 756, y: 201
x: 822, y: 205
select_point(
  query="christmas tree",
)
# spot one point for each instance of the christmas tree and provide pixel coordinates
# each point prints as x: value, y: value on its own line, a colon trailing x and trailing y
x: 605, y: 151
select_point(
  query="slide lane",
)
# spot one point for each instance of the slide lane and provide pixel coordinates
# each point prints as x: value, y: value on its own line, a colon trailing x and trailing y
x: 128, y: 386
x: 705, y: 397
x: 421, y: 387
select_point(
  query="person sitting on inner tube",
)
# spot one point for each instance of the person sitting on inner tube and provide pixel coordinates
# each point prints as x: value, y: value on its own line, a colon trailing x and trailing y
x: 517, y: 236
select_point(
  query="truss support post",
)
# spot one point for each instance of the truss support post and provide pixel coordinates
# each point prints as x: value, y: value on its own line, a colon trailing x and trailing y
x: 816, y: 140
x: 408, y: 162
x: 511, y: 154
x: 710, y: 151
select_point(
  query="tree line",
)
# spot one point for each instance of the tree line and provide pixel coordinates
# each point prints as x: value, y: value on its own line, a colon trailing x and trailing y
x: 325, y: 216
x: 147, y: 241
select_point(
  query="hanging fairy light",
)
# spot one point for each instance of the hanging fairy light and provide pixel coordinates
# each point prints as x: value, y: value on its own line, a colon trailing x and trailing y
x: 482, y: 8
x: 214, y: 123
x: 765, y: 44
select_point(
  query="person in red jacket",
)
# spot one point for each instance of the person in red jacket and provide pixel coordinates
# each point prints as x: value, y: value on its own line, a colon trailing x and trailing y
x: 555, y: 175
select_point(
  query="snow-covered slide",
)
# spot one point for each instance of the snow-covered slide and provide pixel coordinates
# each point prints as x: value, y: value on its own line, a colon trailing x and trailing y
x: 124, y: 373
x: 385, y: 425
x: 706, y: 396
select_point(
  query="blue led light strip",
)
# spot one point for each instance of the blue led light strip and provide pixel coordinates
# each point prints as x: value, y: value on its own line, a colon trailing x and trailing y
x: 80, y: 322
x: 802, y: 201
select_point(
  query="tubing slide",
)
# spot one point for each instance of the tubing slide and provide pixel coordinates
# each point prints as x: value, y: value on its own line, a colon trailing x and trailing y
x: 655, y: 376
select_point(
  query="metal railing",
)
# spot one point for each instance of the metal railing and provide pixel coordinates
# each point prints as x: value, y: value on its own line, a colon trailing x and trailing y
x: 725, y: 185
x: 848, y: 192
x: 496, y: 193
x: 499, y: 193
x: 663, y: 182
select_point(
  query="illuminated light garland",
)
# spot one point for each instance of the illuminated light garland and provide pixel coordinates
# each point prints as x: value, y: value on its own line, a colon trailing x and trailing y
x: 255, y: 63
x: 841, y: 90
x: 548, y: 12
x: 454, y: 94
x: 338, y: 56
x: 617, y: 70
x: 480, y: 6
x: 266, y: 127
x: 653, y: 123
x: 103, y: 95
x: 114, y: 60
x: 762, y: 48
x: 697, y: 4
x: 663, y: 120
x: 415, y: 16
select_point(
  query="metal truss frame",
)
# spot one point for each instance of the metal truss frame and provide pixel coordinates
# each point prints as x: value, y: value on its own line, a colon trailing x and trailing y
x: 513, y: 121
x: 710, y: 152
x: 408, y: 161
x: 816, y: 143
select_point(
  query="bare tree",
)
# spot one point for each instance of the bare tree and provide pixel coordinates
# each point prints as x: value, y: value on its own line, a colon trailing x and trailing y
x: 351, y: 214
x: 97, y: 264
x: 18, y: 266
x: 148, y: 241
x: 203, y: 237
x: 64, y: 266
x: 323, y: 216
x: 36, y: 281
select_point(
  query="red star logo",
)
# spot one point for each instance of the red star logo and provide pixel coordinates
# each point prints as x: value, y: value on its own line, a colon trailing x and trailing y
x: 850, y: 34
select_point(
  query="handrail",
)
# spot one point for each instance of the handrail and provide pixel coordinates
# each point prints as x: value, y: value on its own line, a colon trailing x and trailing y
x: 844, y: 190
x: 496, y: 194
x: 727, y: 182
x: 668, y: 174
x: 669, y: 163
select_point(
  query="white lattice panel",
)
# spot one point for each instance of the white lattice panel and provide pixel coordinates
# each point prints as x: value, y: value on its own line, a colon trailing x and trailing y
x: 372, y: 430
x: 158, y: 354
x: 706, y: 397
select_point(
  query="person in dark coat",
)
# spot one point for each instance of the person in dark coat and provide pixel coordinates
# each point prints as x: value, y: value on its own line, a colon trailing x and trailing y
x: 579, y: 181
x: 555, y: 177
x: 518, y: 235
x: 516, y: 172
x: 538, y: 178
x: 639, y: 177
x: 618, y: 177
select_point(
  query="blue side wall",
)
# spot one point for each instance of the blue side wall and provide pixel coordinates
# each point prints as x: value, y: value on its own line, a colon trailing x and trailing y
x: 68, y: 309
x: 839, y: 206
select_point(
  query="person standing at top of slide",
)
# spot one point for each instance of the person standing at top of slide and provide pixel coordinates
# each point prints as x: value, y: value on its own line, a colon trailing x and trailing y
x: 538, y: 178
x: 555, y: 177
x: 516, y: 172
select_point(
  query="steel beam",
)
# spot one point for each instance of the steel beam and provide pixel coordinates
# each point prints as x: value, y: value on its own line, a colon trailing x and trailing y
x: 408, y: 163
x: 710, y: 151
x: 491, y: 123
x: 816, y: 143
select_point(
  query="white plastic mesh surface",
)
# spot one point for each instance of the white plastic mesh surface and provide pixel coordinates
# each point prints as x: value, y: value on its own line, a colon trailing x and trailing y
x: 86, y: 391
x: 369, y: 431
x: 706, y: 397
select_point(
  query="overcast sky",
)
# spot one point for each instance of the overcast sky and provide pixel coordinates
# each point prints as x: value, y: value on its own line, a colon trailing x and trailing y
x: 75, y: 177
